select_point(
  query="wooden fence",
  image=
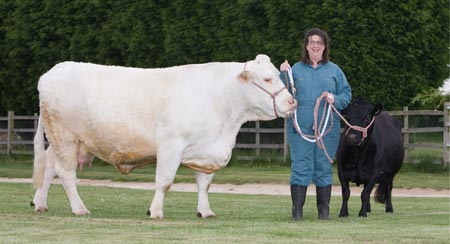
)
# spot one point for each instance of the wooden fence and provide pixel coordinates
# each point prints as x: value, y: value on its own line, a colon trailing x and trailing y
x: 16, y: 139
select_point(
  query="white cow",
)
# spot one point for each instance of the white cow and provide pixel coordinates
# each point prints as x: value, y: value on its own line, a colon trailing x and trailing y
x: 129, y: 117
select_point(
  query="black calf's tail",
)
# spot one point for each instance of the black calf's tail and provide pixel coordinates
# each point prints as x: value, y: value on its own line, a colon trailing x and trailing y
x: 381, y: 193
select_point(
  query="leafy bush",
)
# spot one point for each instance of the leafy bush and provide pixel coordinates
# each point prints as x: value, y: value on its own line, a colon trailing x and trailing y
x: 390, y: 50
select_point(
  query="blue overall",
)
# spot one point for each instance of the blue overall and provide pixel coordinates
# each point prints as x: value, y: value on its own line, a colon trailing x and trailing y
x: 309, y: 162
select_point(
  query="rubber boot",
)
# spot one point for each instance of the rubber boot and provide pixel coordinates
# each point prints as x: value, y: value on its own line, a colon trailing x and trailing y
x: 323, y: 202
x: 298, y: 194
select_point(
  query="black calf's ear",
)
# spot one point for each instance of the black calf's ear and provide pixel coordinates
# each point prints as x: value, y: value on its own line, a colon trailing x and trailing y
x: 377, y: 109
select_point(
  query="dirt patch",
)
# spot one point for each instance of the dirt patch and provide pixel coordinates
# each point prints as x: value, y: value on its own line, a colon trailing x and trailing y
x: 255, y: 189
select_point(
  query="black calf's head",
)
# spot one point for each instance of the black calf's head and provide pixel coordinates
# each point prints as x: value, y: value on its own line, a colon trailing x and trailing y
x: 359, y: 113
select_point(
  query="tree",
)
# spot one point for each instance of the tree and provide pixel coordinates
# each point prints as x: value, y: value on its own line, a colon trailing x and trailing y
x: 432, y: 98
x: 390, y: 50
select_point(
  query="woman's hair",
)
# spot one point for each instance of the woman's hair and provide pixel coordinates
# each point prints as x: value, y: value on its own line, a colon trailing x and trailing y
x: 325, y: 39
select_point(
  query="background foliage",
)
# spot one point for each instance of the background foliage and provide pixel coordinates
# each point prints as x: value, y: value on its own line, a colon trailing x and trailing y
x: 390, y: 50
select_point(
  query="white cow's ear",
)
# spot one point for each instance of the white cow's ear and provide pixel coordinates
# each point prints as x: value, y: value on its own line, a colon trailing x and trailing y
x: 244, y: 76
x: 262, y: 58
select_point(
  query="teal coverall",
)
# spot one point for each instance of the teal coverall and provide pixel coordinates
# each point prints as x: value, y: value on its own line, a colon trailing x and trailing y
x: 309, y: 162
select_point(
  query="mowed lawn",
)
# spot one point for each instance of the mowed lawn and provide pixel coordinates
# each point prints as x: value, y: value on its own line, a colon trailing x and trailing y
x: 118, y: 215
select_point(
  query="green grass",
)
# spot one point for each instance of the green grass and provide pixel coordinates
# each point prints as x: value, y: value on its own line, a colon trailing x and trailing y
x: 409, y: 176
x: 426, y: 159
x: 429, y: 137
x: 118, y: 216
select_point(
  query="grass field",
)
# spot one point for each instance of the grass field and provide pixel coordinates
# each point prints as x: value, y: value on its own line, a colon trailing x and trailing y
x: 118, y: 216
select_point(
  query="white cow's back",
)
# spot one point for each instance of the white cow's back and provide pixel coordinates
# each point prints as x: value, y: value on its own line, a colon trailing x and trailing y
x: 119, y: 109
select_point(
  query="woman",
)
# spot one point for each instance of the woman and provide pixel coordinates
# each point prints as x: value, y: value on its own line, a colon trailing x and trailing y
x: 314, y: 76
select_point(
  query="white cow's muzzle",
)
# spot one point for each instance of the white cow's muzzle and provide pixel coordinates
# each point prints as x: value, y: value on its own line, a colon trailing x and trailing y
x: 274, y: 95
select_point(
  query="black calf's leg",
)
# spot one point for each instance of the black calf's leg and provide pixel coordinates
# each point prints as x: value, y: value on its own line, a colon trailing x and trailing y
x: 389, y: 208
x: 368, y: 205
x: 365, y: 199
x: 345, y: 197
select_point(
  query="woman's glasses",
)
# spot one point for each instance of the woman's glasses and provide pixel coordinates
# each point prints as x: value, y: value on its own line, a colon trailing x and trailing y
x: 314, y: 43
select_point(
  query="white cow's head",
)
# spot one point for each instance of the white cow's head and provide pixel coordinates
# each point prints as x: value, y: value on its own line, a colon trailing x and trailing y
x: 265, y: 92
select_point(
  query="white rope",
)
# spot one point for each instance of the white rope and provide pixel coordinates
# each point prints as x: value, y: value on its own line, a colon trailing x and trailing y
x: 291, y: 81
x: 310, y: 138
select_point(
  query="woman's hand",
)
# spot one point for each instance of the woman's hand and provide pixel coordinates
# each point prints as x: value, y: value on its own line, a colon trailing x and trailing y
x: 329, y: 96
x: 284, y: 66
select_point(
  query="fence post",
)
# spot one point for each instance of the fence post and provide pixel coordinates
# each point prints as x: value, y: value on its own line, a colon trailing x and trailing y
x: 258, y: 139
x: 9, y: 134
x: 406, y: 134
x: 446, y: 142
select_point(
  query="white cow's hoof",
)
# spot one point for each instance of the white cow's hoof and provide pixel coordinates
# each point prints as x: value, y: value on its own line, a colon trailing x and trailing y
x: 39, y: 208
x: 206, y: 215
x: 155, y: 216
x: 81, y: 212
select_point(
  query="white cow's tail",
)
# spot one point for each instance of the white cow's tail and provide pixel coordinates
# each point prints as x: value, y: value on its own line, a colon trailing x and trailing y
x: 39, y: 156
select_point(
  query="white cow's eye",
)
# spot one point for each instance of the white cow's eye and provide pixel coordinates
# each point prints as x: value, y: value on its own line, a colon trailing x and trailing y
x: 268, y: 80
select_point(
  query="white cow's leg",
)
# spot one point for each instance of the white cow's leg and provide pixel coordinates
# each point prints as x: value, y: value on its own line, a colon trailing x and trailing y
x: 69, y: 180
x: 65, y: 167
x: 203, y: 182
x: 40, y: 197
x: 166, y: 169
